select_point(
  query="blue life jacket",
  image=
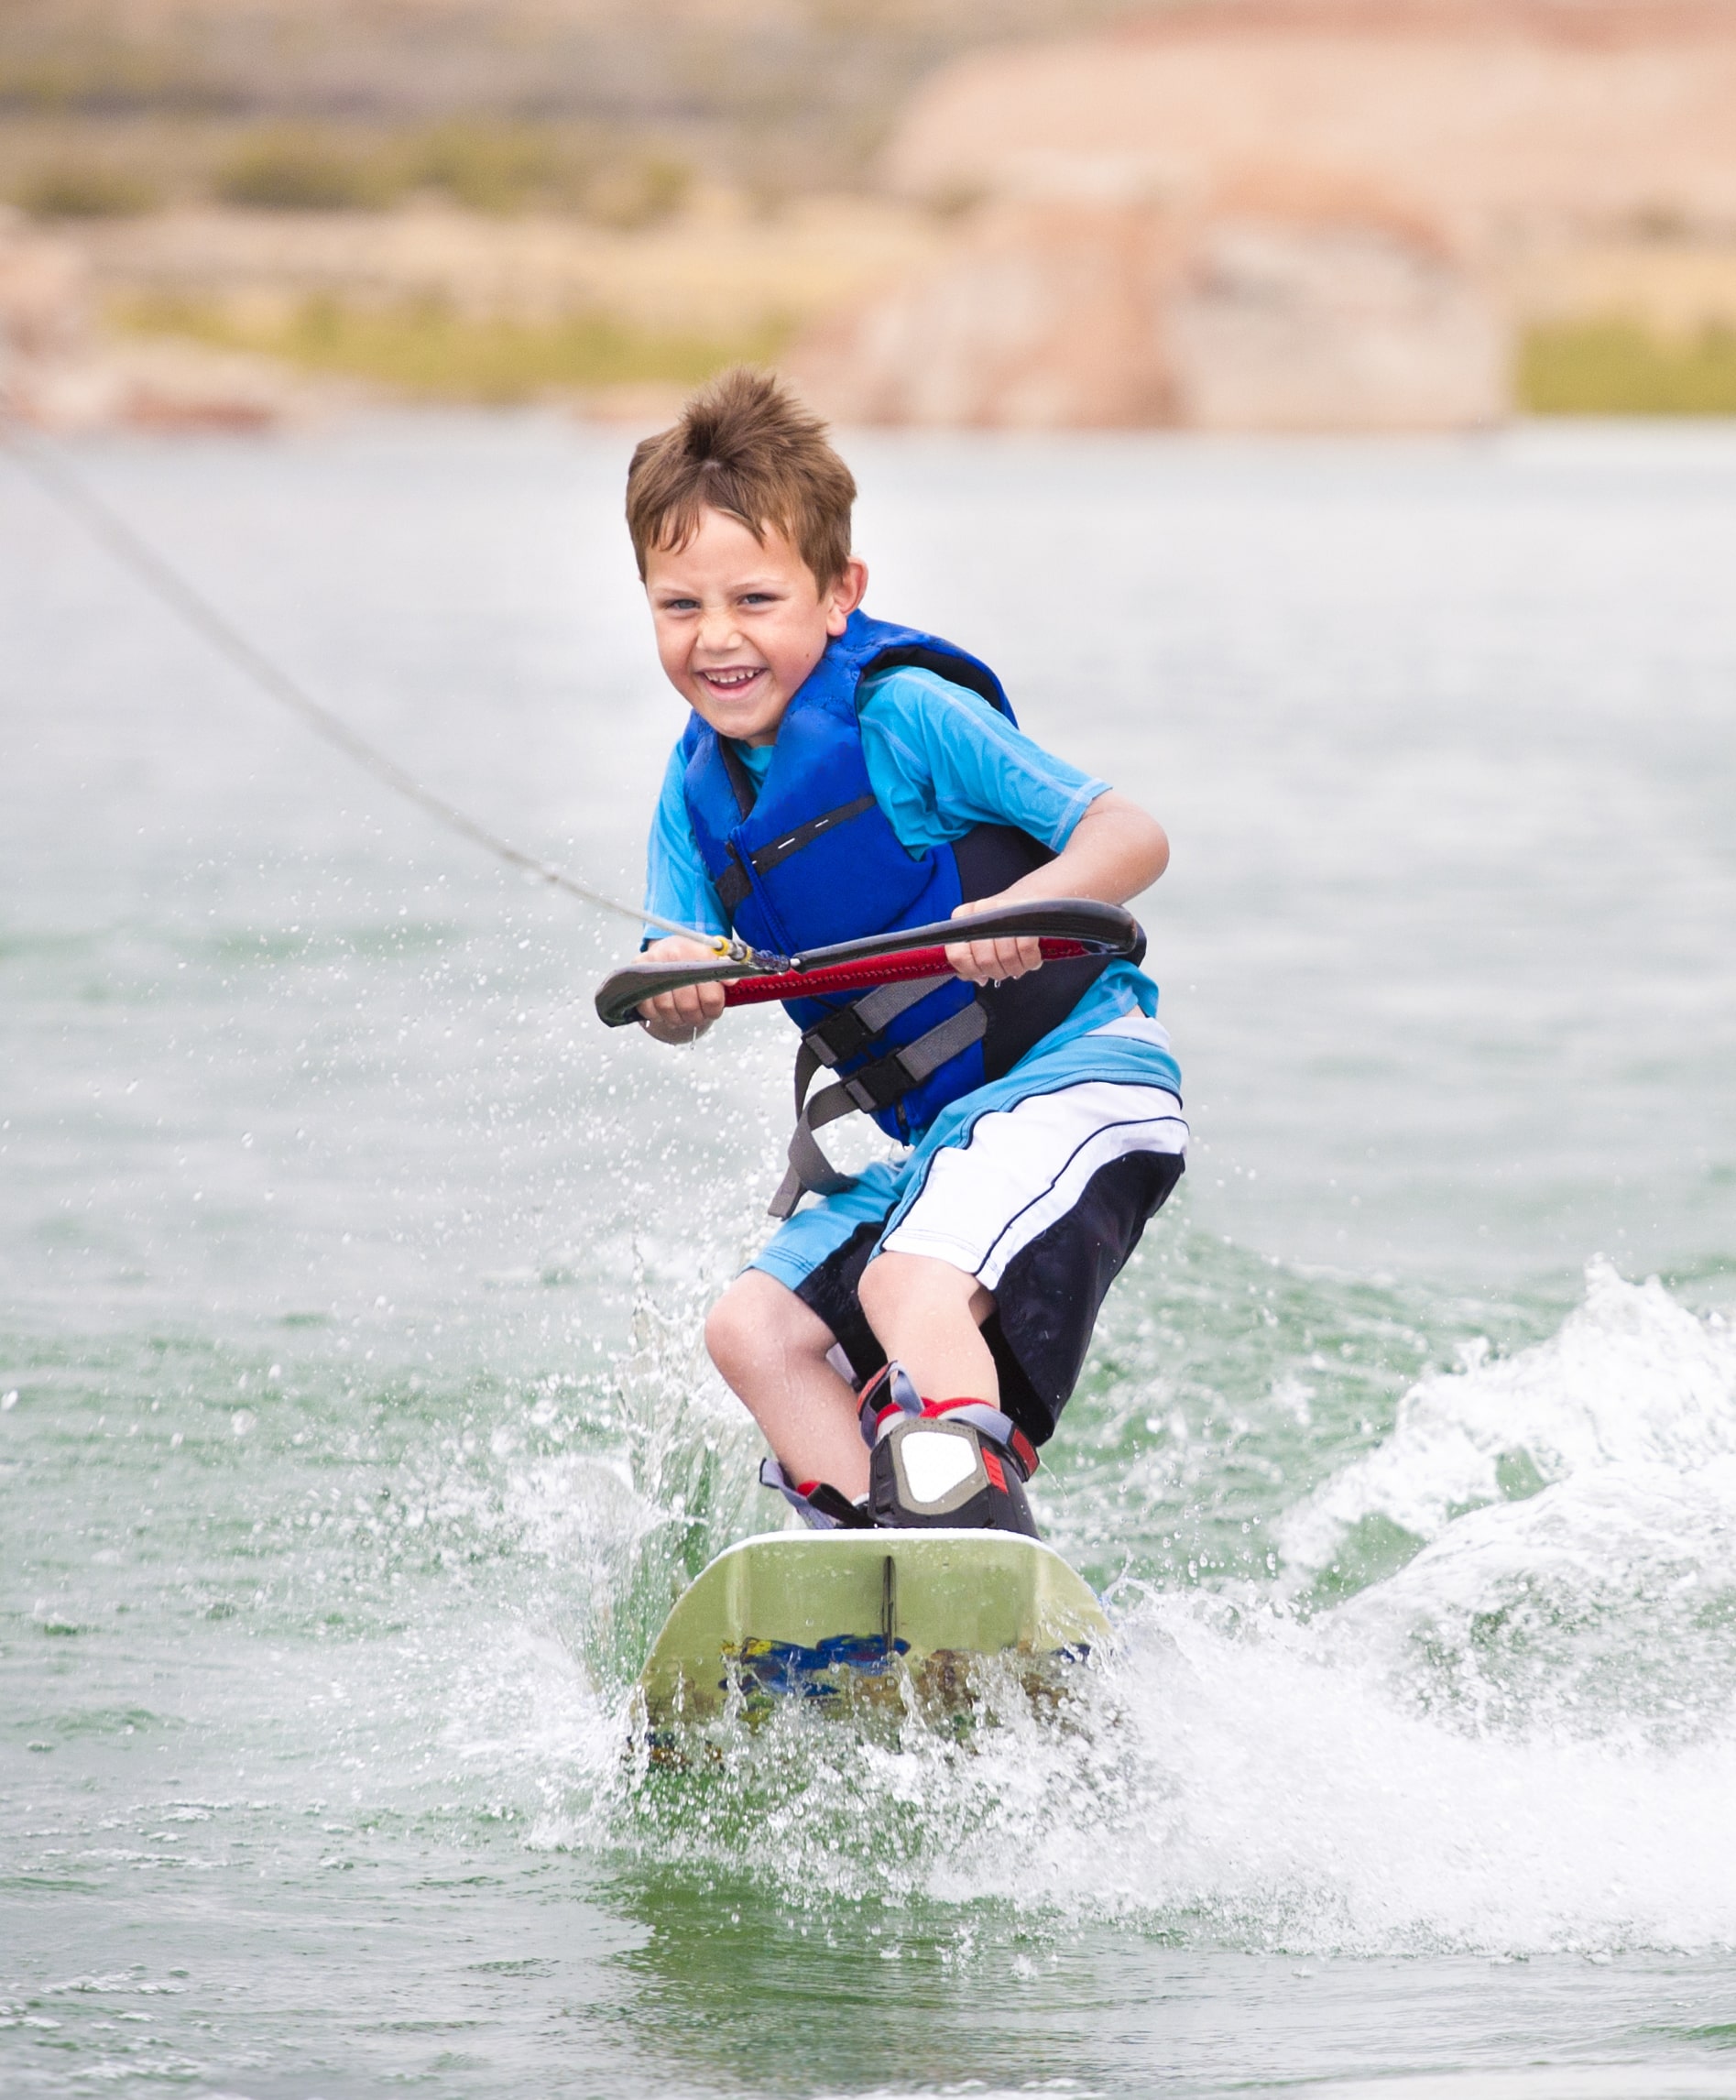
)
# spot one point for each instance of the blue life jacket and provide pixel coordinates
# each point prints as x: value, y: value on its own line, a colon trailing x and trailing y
x: 808, y: 856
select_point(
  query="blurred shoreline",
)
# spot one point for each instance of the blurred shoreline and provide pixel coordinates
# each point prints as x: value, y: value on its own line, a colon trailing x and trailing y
x: 1228, y: 216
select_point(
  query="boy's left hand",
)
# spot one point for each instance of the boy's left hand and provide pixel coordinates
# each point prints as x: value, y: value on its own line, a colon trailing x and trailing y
x: 985, y: 962
x: 1116, y: 851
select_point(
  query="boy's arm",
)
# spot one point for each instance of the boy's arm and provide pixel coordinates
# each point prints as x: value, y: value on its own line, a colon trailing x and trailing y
x: 941, y: 758
x: 677, y: 887
x: 1115, y: 851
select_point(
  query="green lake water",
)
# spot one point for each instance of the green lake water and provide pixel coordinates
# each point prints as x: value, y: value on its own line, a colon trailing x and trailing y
x: 354, y: 1433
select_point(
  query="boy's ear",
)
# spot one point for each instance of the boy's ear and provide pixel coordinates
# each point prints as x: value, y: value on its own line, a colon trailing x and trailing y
x: 844, y: 594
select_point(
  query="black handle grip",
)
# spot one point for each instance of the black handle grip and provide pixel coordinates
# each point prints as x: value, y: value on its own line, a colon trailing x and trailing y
x: 1106, y: 929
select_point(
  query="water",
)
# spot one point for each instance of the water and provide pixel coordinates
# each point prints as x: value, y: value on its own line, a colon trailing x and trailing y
x: 360, y: 1436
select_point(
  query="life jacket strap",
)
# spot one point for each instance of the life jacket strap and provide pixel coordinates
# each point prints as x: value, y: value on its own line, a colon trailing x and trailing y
x: 852, y: 1029
x: 777, y: 850
x: 879, y: 1085
x: 734, y: 885
x: 741, y: 782
x: 875, y: 1086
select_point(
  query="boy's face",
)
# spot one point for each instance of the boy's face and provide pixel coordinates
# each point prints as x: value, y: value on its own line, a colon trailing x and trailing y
x: 741, y: 622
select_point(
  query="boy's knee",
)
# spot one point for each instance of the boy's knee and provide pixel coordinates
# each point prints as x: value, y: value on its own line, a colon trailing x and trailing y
x: 877, y: 1287
x: 730, y: 1329
x: 757, y: 1322
x: 892, y: 1282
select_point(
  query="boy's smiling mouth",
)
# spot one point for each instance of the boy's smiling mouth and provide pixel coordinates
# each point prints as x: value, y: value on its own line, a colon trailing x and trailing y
x: 732, y: 679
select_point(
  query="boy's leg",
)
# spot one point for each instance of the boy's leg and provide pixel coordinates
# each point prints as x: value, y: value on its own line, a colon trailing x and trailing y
x: 988, y: 1276
x: 944, y: 1451
x: 1020, y: 1228
x: 771, y: 1349
x: 928, y: 1316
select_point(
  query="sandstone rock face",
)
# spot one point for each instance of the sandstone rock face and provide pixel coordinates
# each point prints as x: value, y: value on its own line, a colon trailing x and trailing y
x: 1044, y: 315
x: 1484, y: 120
x: 1280, y: 215
x: 1282, y: 327
x: 1081, y: 316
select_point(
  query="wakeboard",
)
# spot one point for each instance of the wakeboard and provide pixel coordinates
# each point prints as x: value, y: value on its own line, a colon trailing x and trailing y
x: 833, y: 1617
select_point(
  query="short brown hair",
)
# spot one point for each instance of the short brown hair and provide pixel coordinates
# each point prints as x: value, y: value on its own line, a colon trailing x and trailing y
x: 745, y: 446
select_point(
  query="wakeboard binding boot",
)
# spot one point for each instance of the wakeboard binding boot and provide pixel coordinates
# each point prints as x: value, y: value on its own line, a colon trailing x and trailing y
x: 960, y: 1463
x: 819, y: 1506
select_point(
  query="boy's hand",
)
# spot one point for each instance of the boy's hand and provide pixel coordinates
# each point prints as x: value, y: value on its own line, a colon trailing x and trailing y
x: 1115, y: 852
x: 682, y: 1016
x: 985, y: 962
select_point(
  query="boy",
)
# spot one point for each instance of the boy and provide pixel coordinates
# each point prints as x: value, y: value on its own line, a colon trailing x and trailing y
x: 907, y: 1340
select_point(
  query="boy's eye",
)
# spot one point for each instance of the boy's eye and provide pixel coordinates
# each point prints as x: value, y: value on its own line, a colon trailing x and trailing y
x: 681, y: 605
x: 758, y: 598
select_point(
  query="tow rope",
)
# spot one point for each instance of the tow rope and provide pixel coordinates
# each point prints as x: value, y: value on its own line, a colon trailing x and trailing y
x: 135, y: 554
x: 1067, y: 927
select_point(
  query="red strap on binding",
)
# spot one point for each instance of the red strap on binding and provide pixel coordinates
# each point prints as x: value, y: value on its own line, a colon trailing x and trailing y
x: 1022, y: 1448
x: 1021, y: 1445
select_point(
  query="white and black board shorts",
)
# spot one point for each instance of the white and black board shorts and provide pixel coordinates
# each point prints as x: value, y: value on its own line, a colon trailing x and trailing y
x: 1042, y: 1201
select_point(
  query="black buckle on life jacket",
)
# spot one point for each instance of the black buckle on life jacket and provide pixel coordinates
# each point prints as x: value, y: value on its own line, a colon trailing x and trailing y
x: 839, y: 1036
x: 877, y: 1086
x: 880, y: 1084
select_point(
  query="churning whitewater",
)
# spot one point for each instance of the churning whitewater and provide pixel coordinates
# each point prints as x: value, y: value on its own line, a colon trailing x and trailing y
x: 1481, y: 1700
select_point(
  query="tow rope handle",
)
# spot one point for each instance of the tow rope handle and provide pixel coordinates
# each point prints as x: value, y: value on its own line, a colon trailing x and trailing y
x: 1065, y: 927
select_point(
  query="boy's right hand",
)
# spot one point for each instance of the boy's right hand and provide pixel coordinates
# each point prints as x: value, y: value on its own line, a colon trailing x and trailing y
x: 682, y: 1016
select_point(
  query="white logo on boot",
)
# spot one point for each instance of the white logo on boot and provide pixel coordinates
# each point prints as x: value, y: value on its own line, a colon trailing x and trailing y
x: 936, y: 1461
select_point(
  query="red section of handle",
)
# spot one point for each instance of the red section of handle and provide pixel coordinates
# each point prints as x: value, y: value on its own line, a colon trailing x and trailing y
x: 859, y: 976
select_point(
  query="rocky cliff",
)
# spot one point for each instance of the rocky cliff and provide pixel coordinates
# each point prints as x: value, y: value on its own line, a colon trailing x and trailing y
x: 1491, y: 121
x: 1254, y: 216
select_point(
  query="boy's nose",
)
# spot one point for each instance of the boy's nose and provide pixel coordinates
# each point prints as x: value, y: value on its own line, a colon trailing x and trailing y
x: 716, y: 629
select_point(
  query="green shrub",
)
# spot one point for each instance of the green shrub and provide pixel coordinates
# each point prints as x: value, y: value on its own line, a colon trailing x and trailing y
x: 85, y: 190
x: 1617, y: 367
x: 633, y: 193
x: 424, y: 347
x: 305, y: 171
x: 487, y: 168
